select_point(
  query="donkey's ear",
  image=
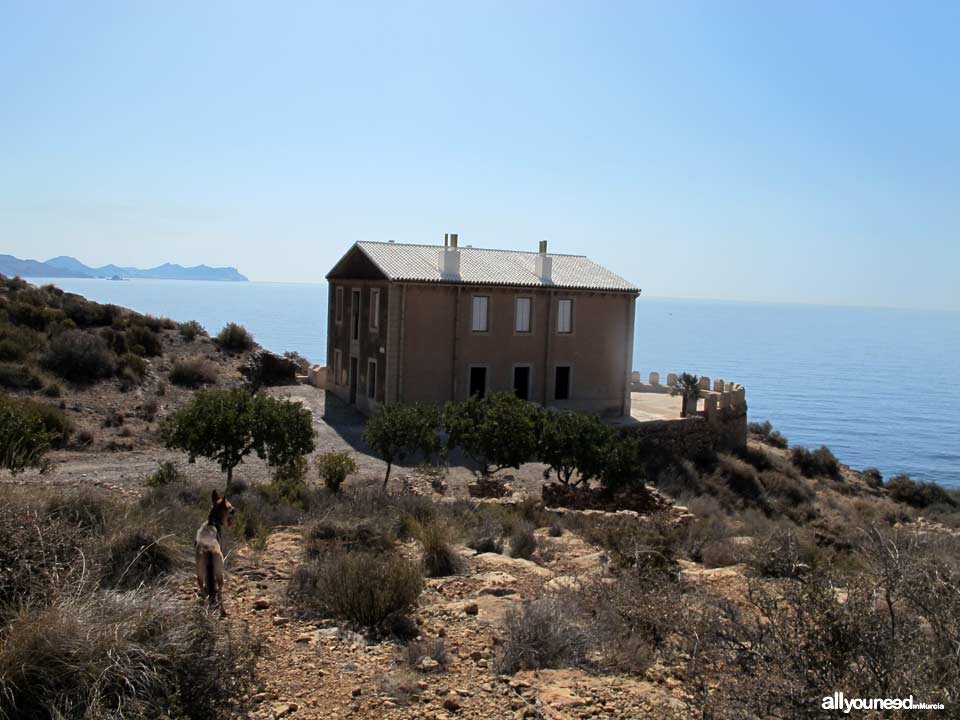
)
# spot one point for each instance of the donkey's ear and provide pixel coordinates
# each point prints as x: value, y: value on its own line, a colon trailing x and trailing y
x: 215, y: 497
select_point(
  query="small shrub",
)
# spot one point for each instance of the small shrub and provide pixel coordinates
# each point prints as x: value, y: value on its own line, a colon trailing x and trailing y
x: 334, y: 467
x: 764, y: 432
x: 523, y: 543
x: 433, y: 648
x: 19, y: 377
x: 53, y: 389
x: 816, y: 463
x: 439, y: 557
x: 135, y: 558
x: 302, y: 363
x: 872, y: 477
x: 541, y: 634
x: 165, y: 474
x: 83, y: 439
x: 362, y: 587
x: 80, y: 356
x: 193, y: 372
x: 149, y: 409
x: 51, y: 418
x: 135, y: 654
x: 133, y: 365
x: 556, y: 529
x: 486, y: 544
x: 918, y: 494
x: 329, y: 535
x: 85, y: 509
x: 191, y: 330
x: 235, y: 338
x: 144, y: 341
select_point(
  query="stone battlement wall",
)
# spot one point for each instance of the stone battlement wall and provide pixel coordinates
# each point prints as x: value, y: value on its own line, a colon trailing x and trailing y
x: 723, y: 404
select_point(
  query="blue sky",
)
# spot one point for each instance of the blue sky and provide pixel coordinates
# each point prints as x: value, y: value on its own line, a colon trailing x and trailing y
x: 735, y: 150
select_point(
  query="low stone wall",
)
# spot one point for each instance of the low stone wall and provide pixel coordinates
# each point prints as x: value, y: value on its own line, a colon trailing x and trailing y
x: 317, y: 376
x: 685, y: 437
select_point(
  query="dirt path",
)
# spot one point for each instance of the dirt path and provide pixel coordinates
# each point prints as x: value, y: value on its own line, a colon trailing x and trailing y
x: 320, y: 670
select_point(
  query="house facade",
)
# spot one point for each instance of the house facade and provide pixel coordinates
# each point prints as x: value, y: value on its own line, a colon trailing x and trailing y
x: 429, y: 323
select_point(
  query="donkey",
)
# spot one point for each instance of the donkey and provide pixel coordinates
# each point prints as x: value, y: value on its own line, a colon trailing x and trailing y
x: 209, y: 554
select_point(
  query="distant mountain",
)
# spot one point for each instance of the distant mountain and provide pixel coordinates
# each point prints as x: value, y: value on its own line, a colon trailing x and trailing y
x: 11, y: 267
x: 65, y: 266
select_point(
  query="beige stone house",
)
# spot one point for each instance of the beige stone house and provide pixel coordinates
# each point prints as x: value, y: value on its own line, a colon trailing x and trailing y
x: 430, y: 323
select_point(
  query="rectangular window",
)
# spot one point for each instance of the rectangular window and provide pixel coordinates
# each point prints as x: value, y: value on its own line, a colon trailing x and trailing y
x: 565, y: 316
x: 374, y: 309
x: 337, y: 367
x: 521, y: 315
x: 372, y: 379
x: 478, y: 381
x: 355, y: 314
x: 521, y: 381
x: 481, y: 305
x: 339, y: 304
x: 561, y: 383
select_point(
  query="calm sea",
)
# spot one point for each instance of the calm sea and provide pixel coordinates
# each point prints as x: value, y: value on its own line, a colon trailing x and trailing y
x: 879, y: 386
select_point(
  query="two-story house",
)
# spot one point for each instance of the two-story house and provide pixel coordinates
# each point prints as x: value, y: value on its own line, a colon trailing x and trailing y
x: 429, y: 323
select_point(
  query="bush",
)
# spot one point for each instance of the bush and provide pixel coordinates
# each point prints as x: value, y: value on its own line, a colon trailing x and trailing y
x: 24, y: 437
x: 135, y: 558
x: 541, y: 634
x: 817, y: 463
x: 136, y: 654
x: 80, y: 356
x: 433, y: 648
x: 53, y: 389
x: 191, y: 330
x: 302, y: 363
x: 334, y: 468
x: 165, y: 474
x: 193, y: 372
x: 362, y: 587
x: 764, y: 432
x: 133, y: 365
x: 19, y: 377
x: 331, y: 535
x: 872, y: 477
x: 143, y: 340
x: 235, y: 338
x: 52, y: 418
x: 904, y: 489
x: 439, y: 557
x: 523, y: 543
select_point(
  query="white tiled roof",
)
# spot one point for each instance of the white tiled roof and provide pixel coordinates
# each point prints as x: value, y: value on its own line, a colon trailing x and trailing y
x: 420, y: 263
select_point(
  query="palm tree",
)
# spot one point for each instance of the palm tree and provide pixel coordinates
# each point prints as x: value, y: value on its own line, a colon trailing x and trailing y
x: 688, y: 386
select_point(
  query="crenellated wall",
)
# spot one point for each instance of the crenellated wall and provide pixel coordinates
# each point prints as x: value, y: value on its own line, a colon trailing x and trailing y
x: 723, y: 404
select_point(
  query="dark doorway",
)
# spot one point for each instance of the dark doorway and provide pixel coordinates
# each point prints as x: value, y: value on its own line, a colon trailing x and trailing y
x: 561, y: 385
x: 478, y: 381
x: 521, y: 382
x: 353, y: 380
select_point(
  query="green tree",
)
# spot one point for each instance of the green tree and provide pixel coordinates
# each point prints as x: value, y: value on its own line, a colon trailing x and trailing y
x: 399, y: 430
x: 573, y: 442
x: 333, y: 468
x: 227, y: 425
x: 284, y: 431
x: 498, y: 431
x: 216, y: 424
x: 622, y: 464
x: 688, y: 387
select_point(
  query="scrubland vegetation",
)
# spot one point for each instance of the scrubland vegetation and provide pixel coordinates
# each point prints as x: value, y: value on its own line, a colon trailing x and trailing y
x: 791, y: 576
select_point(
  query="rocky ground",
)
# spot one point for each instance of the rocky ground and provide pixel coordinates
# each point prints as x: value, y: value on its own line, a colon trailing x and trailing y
x: 322, y: 670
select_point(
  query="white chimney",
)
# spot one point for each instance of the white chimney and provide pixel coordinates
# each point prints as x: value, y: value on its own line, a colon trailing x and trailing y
x: 544, y: 267
x: 450, y: 258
